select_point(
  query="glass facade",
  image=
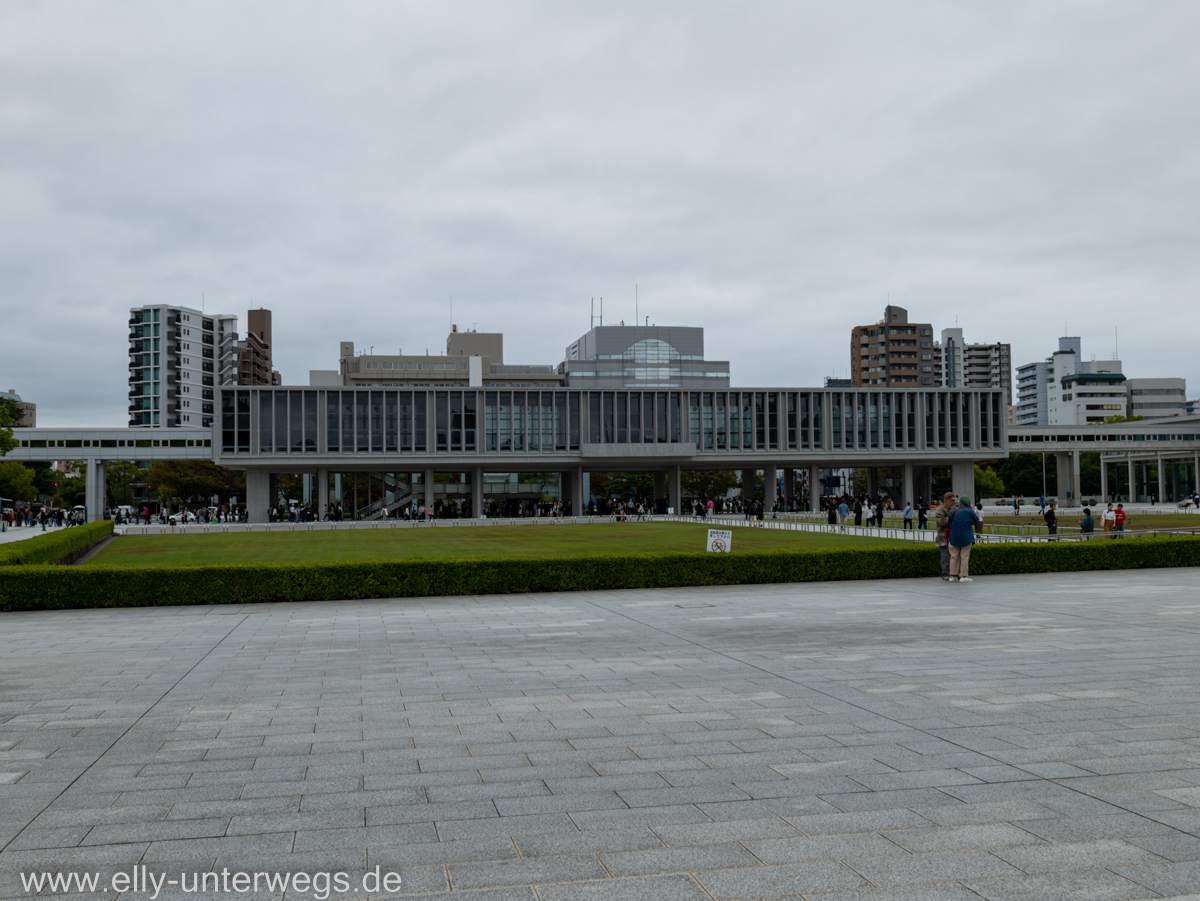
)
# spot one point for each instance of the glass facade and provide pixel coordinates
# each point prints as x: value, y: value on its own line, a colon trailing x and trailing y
x: 423, y: 421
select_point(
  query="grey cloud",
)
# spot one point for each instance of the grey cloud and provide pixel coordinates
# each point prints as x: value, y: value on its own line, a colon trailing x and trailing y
x: 771, y: 172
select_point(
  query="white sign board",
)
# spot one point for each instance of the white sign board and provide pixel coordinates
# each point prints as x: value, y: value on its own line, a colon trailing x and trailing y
x: 719, y: 541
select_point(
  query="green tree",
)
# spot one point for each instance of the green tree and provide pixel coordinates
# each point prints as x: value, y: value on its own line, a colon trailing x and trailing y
x: 1022, y: 474
x: 16, y: 482
x: 71, y: 490
x: 194, y: 482
x: 987, y: 483
x: 9, y: 414
x: 120, y: 477
x: 1109, y: 420
x: 710, y: 483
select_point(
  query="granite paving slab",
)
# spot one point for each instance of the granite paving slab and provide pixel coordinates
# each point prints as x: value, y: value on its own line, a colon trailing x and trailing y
x: 1026, y: 737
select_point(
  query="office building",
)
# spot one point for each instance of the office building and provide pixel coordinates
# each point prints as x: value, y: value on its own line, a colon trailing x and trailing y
x: 642, y: 356
x: 472, y: 359
x: 177, y: 357
x: 27, y: 411
x: 254, y: 353
x: 1064, y: 389
x: 1154, y: 398
x: 963, y: 365
x: 893, y: 353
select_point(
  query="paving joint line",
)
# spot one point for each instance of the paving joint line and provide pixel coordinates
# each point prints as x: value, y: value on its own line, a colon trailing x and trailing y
x: 884, y: 716
x: 115, y: 741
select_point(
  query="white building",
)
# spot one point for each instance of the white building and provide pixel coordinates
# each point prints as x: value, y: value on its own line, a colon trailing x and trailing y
x: 1153, y: 398
x: 177, y: 356
x: 1041, y: 399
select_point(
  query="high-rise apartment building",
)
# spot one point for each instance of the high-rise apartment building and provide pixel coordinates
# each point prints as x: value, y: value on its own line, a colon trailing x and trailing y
x: 963, y: 365
x: 893, y: 353
x: 254, y: 366
x: 177, y: 356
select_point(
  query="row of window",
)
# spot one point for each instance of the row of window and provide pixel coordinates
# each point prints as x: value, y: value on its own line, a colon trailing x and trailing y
x: 380, y: 421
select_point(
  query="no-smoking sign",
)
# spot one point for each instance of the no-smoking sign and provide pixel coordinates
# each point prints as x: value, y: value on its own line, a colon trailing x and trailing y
x: 719, y: 541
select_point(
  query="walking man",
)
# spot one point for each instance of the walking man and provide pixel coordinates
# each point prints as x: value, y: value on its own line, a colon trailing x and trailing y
x: 908, y: 512
x: 1051, y: 518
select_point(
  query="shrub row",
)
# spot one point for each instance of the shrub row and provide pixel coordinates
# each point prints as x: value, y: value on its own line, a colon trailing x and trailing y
x: 53, y: 546
x: 48, y: 587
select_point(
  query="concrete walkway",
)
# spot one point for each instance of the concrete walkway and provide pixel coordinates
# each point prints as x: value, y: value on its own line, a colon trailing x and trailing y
x: 1020, y: 737
x: 20, y: 533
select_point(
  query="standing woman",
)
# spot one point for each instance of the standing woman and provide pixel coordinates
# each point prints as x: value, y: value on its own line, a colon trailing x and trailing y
x: 831, y: 516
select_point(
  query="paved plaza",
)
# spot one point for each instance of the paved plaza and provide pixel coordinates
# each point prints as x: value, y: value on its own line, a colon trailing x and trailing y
x: 1021, y: 737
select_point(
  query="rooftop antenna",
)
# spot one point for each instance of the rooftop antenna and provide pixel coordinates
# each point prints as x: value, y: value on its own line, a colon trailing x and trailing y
x: 602, y: 312
x: 636, y: 317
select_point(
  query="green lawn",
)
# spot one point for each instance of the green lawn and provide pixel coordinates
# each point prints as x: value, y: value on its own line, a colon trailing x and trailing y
x: 450, y: 542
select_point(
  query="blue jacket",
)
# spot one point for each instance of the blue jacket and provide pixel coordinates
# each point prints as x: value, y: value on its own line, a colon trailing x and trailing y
x: 962, y: 526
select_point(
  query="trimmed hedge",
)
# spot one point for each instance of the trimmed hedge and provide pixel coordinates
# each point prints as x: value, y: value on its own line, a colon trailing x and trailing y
x: 53, y: 546
x: 49, y: 587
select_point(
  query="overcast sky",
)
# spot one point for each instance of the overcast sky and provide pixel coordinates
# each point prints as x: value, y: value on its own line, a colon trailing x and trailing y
x: 772, y: 172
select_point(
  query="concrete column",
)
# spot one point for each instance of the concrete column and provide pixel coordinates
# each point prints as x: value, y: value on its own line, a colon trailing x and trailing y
x: 1103, y: 480
x: 814, y: 488
x: 907, y: 486
x: 1076, y: 481
x: 577, y: 491
x: 476, y: 490
x: 660, y: 485
x: 1162, y: 479
x: 770, y: 486
x: 748, y: 483
x: 1132, y: 486
x: 1062, y: 461
x: 674, y: 489
x: 962, y: 479
x: 93, y: 497
x: 322, y: 492
x: 427, y: 476
x: 258, y: 495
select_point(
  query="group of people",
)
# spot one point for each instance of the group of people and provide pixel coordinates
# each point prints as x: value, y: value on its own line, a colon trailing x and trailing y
x: 956, y: 523
x: 30, y: 517
x: 870, y: 511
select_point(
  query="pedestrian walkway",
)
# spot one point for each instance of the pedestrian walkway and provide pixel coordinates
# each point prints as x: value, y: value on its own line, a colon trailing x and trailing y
x: 20, y: 533
x: 1023, y: 737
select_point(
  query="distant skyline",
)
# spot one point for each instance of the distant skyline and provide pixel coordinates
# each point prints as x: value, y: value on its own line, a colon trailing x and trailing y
x: 772, y: 173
